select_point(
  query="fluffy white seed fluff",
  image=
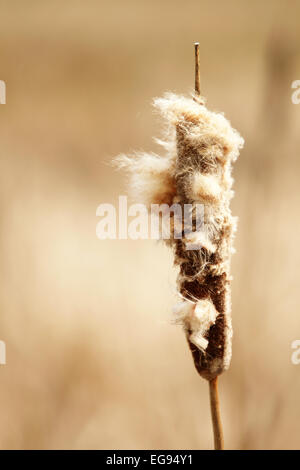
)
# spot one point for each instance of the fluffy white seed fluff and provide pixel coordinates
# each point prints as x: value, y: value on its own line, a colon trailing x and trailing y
x: 196, y: 319
x: 205, y: 188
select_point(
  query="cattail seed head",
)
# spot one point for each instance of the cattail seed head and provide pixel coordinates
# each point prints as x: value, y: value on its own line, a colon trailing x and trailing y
x: 200, y: 147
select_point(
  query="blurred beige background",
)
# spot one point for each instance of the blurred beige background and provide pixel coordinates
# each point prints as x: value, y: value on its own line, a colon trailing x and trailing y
x: 93, y: 360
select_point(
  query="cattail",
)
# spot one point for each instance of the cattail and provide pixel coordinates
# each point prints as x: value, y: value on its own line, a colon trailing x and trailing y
x: 195, y: 171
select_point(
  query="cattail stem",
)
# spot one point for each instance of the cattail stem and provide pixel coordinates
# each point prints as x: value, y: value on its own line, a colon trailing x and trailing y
x: 215, y: 414
x: 197, y: 69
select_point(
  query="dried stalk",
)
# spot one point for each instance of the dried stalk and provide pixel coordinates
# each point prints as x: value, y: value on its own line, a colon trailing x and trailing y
x: 215, y: 414
x: 197, y: 69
